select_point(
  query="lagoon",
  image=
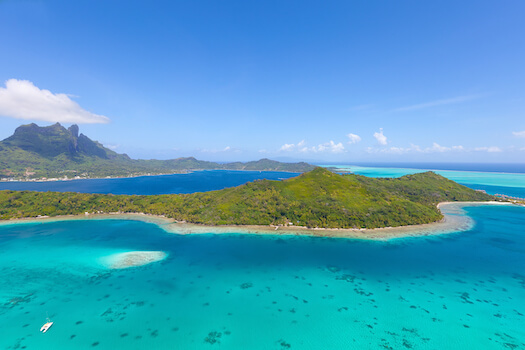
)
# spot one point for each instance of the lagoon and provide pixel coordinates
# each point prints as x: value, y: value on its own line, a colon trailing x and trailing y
x: 230, y: 291
x: 493, y: 182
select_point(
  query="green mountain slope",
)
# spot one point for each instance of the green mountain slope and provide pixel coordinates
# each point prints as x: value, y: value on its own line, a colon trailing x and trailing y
x: 318, y: 198
x: 54, y: 151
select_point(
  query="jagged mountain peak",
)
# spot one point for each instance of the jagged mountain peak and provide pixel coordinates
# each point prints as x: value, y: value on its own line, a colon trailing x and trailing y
x: 55, y: 140
x: 55, y: 151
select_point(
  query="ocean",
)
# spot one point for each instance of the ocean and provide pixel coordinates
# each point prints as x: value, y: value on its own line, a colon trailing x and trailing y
x: 232, y: 291
x: 198, y: 181
x: 494, y: 182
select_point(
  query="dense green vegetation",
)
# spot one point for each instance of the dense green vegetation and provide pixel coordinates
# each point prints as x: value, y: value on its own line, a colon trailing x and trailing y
x: 54, y: 151
x: 318, y: 198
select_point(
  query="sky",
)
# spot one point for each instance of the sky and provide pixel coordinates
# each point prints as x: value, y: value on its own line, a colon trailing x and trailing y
x: 321, y: 81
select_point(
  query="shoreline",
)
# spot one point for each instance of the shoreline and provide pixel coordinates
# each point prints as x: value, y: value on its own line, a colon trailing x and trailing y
x: 41, y: 180
x: 182, y: 172
x: 455, y: 220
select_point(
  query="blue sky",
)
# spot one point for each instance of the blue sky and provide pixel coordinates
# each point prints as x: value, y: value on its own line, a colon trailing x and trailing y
x: 425, y: 81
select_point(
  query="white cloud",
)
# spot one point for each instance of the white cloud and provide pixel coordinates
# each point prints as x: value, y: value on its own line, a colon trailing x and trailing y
x: 395, y: 150
x: 327, y: 147
x: 519, y: 133
x: 381, y: 139
x: 415, y: 149
x: 287, y: 147
x: 214, y: 150
x: 353, y: 138
x: 438, y: 148
x: 21, y: 99
x: 331, y: 147
x: 492, y: 149
x: 398, y: 150
x: 442, y: 102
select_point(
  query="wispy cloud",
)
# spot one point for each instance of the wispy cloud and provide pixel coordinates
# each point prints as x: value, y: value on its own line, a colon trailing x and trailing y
x: 331, y: 147
x: 435, y: 148
x: 519, y: 133
x: 446, y: 101
x: 327, y: 147
x: 396, y: 150
x: 292, y: 146
x: 492, y: 149
x: 380, y: 137
x: 353, y: 138
x: 21, y: 99
x: 391, y: 150
x: 225, y: 149
x: 438, y: 148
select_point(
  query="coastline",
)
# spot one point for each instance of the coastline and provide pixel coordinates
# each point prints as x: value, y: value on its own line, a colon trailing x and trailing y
x: 455, y: 220
x: 40, y: 180
x: 182, y: 172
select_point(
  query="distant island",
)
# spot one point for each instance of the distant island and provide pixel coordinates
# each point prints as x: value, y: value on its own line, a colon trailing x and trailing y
x: 54, y: 152
x: 315, y: 199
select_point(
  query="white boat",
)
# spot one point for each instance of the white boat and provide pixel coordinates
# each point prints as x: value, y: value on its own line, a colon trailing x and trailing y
x: 46, y: 326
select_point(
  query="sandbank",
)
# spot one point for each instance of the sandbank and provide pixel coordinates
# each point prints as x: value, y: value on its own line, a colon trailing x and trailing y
x: 455, y: 220
x: 132, y: 259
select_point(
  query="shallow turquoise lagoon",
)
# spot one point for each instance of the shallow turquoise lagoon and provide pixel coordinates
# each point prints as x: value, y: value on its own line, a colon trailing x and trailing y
x: 456, y: 291
x: 512, y: 184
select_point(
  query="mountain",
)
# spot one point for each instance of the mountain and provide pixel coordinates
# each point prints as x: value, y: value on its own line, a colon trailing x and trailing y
x: 318, y: 198
x: 54, y: 151
x: 55, y: 140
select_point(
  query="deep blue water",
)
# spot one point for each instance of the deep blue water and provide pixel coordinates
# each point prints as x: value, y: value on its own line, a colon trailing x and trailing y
x: 494, y: 180
x: 456, y: 291
x: 199, y: 181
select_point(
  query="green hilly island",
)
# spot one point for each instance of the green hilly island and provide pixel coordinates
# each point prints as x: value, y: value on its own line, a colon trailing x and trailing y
x: 318, y: 198
x: 35, y: 152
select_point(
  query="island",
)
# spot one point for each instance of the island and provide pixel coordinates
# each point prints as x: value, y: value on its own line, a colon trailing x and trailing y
x: 54, y: 152
x: 318, y: 199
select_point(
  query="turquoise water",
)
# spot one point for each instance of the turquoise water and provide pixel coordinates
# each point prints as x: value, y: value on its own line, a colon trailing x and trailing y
x: 493, y: 182
x: 457, y: 291
x: 512, y: 184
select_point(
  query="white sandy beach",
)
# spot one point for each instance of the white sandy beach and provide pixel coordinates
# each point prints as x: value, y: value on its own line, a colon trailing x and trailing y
x: 454, y: 220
